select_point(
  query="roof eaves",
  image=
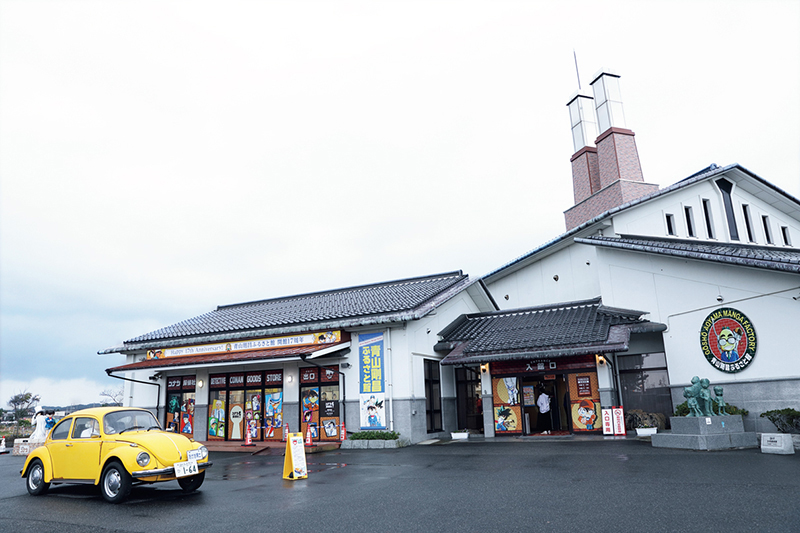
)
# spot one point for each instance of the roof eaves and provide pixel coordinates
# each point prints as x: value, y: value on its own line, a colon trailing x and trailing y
x: 690, y: 254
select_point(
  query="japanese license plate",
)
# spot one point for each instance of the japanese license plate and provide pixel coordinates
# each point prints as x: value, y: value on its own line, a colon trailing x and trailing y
x: 186, y: 468
x: 194, y: 454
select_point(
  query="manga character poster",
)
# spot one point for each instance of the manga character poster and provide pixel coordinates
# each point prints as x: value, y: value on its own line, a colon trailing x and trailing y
x: 187, y: 414
x: 372, y: 390
x: 273, y: 413
x: 216, y: 416
x: 310, y: 410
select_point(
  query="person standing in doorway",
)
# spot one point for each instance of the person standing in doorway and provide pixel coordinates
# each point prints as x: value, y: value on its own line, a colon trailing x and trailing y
x: 543, y: 403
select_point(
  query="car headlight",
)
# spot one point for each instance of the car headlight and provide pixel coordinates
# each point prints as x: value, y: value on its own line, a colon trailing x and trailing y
x: 203, y: 452
x: 143, y: 459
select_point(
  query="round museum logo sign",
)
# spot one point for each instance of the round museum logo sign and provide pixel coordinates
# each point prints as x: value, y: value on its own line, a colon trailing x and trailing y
x: 728, y: 340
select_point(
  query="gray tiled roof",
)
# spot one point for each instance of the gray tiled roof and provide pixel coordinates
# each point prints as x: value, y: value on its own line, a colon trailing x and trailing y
x: 403, y: 299
x: 559, y: 329
x: 766, y: 257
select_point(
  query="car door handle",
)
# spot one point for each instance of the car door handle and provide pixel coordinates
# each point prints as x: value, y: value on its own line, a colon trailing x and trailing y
x: 69, y: 446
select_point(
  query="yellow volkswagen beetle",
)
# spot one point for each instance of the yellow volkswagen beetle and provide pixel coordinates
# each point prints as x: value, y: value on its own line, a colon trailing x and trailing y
x: 114, y: 447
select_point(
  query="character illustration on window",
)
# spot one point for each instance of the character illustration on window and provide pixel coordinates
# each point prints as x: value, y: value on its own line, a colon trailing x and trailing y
x: 586, y: 414
x: 503, y: 419
x: 513, y: 392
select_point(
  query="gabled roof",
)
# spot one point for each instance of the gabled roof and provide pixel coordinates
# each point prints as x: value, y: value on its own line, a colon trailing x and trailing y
x: 767, y: 257
x: 557, y: 330
x: 378, y: 303
x: 787, y: 202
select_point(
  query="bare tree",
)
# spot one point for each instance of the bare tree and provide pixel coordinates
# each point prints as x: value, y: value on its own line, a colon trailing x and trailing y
x: 22, y: 404
x: 114, y: 396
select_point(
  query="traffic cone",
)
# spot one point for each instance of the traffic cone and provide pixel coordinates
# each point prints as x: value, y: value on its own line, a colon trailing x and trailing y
x: 308, y: 437
x: 344, y: 433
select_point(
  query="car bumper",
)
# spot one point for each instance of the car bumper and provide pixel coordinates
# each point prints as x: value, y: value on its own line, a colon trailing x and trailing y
x: 169, y: 471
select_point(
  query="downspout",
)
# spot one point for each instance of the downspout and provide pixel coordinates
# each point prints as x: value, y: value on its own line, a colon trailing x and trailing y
x: 343, y: 388
x: 158, y: 397
x: 391, y: 378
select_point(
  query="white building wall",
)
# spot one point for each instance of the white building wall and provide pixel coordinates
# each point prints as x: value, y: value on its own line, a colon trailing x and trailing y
x: 682, y: 293
x: 536, y: 284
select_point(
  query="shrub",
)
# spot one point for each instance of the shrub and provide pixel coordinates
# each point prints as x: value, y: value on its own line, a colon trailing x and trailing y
x: 786, y: 420
x: 636, y: 418
x: 683, y: 410
x: 374, y: 435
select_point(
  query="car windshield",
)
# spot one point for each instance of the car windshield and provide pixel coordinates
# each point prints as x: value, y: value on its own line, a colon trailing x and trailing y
x: 120, y: 421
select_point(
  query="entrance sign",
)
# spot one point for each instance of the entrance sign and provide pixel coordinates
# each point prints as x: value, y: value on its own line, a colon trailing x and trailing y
x: 371, y: 388
x: 608, y: 422
x: 728, y: 340
x: 294, y: 460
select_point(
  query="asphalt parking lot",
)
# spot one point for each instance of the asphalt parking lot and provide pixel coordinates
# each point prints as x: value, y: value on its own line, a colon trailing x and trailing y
x: 511, y: 485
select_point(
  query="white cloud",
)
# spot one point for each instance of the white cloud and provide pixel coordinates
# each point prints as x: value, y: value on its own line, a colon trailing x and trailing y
x: 56, y: 392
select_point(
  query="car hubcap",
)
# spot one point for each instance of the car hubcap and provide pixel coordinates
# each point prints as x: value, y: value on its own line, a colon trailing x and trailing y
x: 36, y: 477
x: 112, y: 482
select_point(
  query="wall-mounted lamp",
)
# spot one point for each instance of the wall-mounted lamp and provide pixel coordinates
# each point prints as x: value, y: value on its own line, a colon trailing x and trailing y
x: 720, y: 299
x: 484, y: 368
x: 199, y: 383
x: 555, y: 277
x: 603, y: 361
x: 288, y: 379
x: 506, y: 296
x: 345, y: 365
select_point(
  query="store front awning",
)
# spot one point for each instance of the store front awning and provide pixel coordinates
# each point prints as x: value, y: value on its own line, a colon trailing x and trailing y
x: 233, y: 358
x: 560, y: 330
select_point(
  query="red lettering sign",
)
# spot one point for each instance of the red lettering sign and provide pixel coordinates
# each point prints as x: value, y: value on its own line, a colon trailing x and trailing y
x: 189, y: 383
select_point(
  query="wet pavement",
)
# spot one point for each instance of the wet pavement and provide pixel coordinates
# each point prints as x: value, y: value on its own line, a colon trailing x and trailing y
x: 505, y: 484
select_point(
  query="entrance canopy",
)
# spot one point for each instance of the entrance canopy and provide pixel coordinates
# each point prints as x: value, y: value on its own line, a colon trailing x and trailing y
x: 557, y: 330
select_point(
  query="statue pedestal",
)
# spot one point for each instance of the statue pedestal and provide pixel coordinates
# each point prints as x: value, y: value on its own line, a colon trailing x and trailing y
x: 706, y: 433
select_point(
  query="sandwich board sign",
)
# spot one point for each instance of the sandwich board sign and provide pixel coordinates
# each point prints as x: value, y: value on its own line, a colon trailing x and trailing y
x: 294, y: 460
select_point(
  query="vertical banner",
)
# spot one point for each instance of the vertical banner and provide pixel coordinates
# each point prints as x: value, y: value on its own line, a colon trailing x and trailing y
x: 608, y: 422
x: 372, y: 390
x: 619, y: 421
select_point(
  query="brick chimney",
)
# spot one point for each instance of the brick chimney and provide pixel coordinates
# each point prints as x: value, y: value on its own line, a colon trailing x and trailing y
x: 608, y: 175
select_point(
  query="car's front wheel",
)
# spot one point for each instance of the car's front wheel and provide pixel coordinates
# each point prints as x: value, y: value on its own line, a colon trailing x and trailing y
x: 35, y: 480
x: 115, y: 483
x: 192, y: 483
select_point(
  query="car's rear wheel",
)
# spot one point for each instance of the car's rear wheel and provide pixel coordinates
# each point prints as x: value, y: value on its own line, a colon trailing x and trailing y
x: 35, y: 479
x: 192, y: 483
x: 115, y: 483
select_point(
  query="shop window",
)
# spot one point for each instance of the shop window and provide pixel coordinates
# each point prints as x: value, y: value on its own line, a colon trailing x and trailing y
x: 236, y: 415
x: 433, y: 396
x: 180, y: 404
x: 644, y: 383
x: 216, y: 414
x: 319, y: 403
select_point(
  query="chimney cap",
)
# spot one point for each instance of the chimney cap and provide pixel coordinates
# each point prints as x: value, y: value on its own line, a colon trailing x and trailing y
x: 579, y: 94
x: 606, y: 72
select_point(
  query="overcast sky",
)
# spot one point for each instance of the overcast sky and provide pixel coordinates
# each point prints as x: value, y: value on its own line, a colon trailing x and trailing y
x: 161, y: 158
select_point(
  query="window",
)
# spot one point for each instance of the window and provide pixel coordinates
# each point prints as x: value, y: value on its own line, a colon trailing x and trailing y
x: 767, y: 230
x: 670, y: 224
x: 85, y: 428
x: 433, y: 396
x: 787, y: 241
x: 687, y: 213
x: 61, y: 431
x: 726, y: 187
x: 709, y: 221
x: 748, y: 223
x: 644, y: 383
